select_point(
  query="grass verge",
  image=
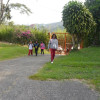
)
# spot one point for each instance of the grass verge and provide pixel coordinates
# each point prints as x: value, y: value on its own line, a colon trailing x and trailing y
x: 9, y: 51
x: 82, y: 64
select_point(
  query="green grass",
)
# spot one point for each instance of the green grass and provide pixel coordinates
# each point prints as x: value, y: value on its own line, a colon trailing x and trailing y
x: 9, y: 51
x: 83, y: 64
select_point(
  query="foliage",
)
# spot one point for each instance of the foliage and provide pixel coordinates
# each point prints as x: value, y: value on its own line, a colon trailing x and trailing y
x: 23, y: 37
x: 40, y: 35
x: 6, y: 33
x: 5, y: 10
x: 77, y: 20
x: 11, y: 23
x: 89, y: 40
x: 58, y: 30
x: 23, y: 8
x: 22, y: 34
x: 94, y: 8
x: 83, y: 64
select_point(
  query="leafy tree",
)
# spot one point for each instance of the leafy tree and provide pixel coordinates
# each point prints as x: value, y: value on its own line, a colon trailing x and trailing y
x: 5, y: 10
x: 11, y: 23
x: 78, y: 21
x: 94, y: 8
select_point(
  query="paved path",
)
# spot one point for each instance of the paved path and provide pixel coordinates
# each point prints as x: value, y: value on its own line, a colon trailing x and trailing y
x: 15, y: 85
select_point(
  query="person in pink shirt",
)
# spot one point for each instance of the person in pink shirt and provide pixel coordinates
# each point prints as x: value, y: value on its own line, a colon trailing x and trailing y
x: 42, y: 47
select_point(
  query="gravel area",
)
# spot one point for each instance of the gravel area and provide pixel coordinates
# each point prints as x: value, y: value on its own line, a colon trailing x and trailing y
x: 15, y: 85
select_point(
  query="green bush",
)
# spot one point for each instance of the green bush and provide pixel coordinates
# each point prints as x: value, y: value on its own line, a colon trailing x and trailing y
x: 19, y: 34
x: 6, y: 33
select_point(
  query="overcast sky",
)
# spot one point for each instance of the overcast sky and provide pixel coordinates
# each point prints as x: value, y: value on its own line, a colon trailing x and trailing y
x: 44, y: 11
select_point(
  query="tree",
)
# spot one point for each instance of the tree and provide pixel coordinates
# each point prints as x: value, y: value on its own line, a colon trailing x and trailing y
x: 5, y: 10
x: 94, y: 8
x: 78, y: 21
x: 11, y: 23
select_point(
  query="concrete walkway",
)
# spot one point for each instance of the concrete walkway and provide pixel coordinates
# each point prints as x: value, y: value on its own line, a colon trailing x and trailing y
x: 15, y: 85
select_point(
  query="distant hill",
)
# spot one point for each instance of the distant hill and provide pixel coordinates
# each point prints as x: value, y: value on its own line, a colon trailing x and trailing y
x: 51, y: 27
x: 54, y: 26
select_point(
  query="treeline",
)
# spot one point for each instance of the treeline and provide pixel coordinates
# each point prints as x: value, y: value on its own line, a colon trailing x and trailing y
x: 22, y: 34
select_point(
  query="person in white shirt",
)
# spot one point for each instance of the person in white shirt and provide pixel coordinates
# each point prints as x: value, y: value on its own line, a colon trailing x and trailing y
x: 30, y: 45
x: 53, y: 46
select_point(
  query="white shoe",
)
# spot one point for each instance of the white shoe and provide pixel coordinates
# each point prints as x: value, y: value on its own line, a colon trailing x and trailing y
x: 52, y: 62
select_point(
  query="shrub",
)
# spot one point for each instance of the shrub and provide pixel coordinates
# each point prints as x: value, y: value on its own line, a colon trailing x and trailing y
x: 6, y: 33
x: 23, y: 37
x: 22, y: 34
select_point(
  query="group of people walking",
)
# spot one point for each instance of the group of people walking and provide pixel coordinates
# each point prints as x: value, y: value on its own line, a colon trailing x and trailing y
x: 52, y: 45
x: 36, y: 46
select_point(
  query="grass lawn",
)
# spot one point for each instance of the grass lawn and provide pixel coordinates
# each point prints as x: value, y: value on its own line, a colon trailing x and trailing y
x: 82, y: 64
x: 9, y: 51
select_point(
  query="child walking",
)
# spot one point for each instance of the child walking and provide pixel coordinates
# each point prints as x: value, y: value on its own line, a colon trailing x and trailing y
x: 53, y: 45
x: 36, y: 46
x: 42, y: 46
x: 30, y: 45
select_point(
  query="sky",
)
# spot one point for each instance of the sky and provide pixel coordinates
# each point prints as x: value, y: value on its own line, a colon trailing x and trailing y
x: 43, y: 11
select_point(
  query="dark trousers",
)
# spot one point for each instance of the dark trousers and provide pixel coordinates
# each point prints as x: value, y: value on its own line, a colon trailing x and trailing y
x: 42, y: 51
x: 36, y: 51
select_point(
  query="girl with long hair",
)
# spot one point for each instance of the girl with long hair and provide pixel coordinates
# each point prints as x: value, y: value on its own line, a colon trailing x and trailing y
x: 53, y: 45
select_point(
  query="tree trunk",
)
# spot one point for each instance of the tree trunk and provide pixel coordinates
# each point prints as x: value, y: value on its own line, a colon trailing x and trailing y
x: 78, y: 41
x: 2, y: 10
x: 73, y: 40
